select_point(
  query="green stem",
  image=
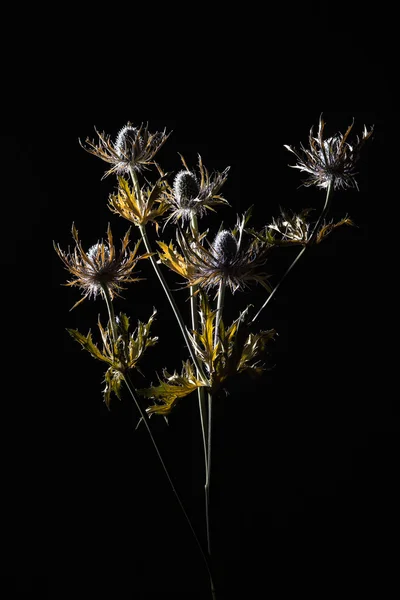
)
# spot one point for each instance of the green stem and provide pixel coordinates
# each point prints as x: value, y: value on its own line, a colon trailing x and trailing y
x: 310, y: 241
x: 145, y: 419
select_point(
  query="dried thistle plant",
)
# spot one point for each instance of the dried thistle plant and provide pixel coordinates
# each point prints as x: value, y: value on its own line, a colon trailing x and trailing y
x: 233, y: 259
x: 332, y: 159
x: 134, y: 148
x: 100, y: 267
x: 193, y: 194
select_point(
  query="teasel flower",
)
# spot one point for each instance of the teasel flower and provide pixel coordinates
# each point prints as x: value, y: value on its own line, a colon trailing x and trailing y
x: 101, y: 266
x: 134, y: 148
x: 330, y: 160
x: 121, y: 354
x: 296, y: 230
x: 192, y: 194
x: 224, y: 260
x: 149, y: 207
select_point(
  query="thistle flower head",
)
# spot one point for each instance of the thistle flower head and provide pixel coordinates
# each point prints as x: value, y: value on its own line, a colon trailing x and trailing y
x: 186, y: 188
x: 330, y: 160
x: 224, y: 260
x: 134, y: 148
x: 193, y: 194
x: 225, y: 247
x: 100, y: 267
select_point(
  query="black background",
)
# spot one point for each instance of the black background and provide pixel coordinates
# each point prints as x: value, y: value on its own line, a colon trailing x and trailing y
x: 304, y: 460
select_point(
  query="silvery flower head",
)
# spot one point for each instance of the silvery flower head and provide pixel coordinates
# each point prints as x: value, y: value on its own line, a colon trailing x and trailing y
x: 100, y: 267
x: 192, y: 193
x: 225, y: 260
x: 330, y: 160
x: 134, y: 148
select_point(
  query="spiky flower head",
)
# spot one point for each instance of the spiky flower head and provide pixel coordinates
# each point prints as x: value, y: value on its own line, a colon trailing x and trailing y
x: 193, y: 194
x: 224, y: 260
x: 134, y: 148
x: 330, y: 160
x: 100, y: 267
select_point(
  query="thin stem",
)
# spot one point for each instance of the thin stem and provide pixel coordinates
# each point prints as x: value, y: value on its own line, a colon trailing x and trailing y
x: 218, y: 317
x: 200, y: 390
x: 111, y: 314
x: 195, y: 325
x: 310, y: 241
x: 136, y: 185
x: 220, y: 306
x: 208, y: 475
x: 173, y: 304
x: 145, y: 419
x: 164, y: 284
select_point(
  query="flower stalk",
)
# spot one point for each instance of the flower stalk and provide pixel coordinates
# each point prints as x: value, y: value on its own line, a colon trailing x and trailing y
x: 145, y: 419
x: 300, y: 254
x: 164, y: 284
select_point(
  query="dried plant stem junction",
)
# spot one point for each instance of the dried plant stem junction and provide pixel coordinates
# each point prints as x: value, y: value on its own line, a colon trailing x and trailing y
x: 311, y: 239
x: 145, y: 419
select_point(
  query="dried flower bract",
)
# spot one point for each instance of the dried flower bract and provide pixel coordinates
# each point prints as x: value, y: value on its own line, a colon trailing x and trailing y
x: 332, y: 159
x: 134, y: 148
x: 100, y: 266
x: 193, y: 194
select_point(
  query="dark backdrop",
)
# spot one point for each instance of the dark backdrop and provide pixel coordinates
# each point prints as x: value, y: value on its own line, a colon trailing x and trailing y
x: 303, y: 459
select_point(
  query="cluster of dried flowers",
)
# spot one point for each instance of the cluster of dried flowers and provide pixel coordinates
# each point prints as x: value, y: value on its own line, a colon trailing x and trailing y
x: 232, y: 260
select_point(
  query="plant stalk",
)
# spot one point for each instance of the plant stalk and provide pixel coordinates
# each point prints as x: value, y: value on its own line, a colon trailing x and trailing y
x: 310, y: 241
x: 220, y: 306
x: 200, y: 390
x: 165, y: 287
x: 111, y: 315
x: 145, y: 419
x: 195, y: 325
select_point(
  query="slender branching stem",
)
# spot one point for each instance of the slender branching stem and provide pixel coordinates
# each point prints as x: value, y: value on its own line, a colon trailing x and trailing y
x: 310, y: 241
x: 220, y: 307
x: 208, y: 474
x: 136, y: 186
x: 145, y: 419
x: 200, y: 390
x: 167, y: 291
x: 195, y: 325
x: 111, y: 315
x: 218, y: 317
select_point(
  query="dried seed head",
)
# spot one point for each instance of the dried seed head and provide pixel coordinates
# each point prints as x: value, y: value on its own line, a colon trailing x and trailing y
x: 96, y: 252
x: 225, y: 247
x: 126, y: 138
x: 330, y: 160
x: 186, y: 188
x: 134, y: 148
